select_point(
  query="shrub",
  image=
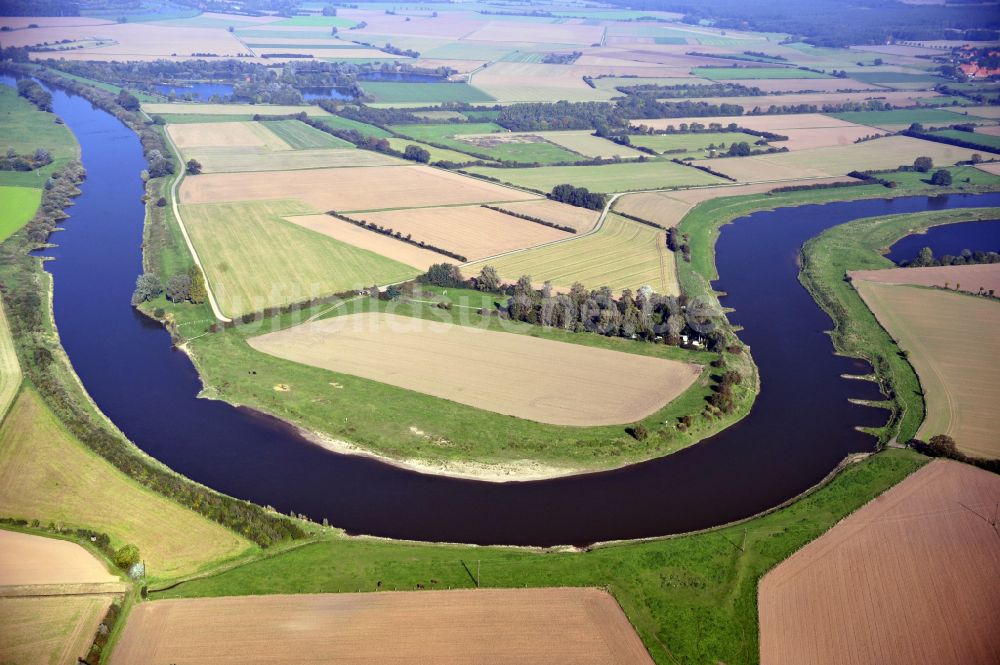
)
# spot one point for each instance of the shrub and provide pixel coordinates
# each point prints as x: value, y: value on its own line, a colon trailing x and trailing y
x: 127, y: 556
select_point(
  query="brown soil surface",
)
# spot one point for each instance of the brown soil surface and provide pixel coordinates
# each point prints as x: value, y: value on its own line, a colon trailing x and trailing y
x: 912, y: 577
x: 352, y: 234
x: 471, y: 231
x: 554, y: 212
x: 570, y: 384
x: 495, y: 627
x: 972, y: 278
x: 27, y: 559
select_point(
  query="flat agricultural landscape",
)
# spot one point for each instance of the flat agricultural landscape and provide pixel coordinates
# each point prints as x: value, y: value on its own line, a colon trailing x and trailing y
x: 349, y: 189
x: 607, y: 178
x: 485, y: 368
x: 946, y: 337
x: 914, y: 576
x: 573, y: 626
x: 972, y: 278
x: 579, y: 219
x: 470, y: 231
x: 26, y: 559
x: 622, y: 254
x: 49, y: 629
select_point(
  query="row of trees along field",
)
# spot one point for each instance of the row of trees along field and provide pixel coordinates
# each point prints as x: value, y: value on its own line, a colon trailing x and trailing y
x: 643, y: 315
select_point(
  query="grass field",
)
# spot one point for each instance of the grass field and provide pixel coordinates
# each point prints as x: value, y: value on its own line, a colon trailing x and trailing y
x: 903, y: 118
x: 496, y: 148
x: 365, y: 129
x: 741, y: 73
x: 254, y: 259
x: 487, y: 368
x: 692, y: 599
x: 888, y: 78
x: 977, y: 137
x: 383, y: 245
x: 10, y: 368
x: 690, y: 144
x: 921, y: 552
x: 437, y: 154
x: 48, y: 475
x: 432, y: 93
x: 607, y: 178
x: 49, y: 630
x: 585, y: 143
x: 622, y: 255
x: 24, y: 129
x: 960, y: 391
x: 228, y: 135
x: 569, y: 626
x: 301, y: 136
x: 17, y: 206
x: 247, y: 160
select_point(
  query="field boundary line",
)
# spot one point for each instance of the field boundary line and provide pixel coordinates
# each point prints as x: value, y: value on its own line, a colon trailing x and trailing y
x: 184, y: 232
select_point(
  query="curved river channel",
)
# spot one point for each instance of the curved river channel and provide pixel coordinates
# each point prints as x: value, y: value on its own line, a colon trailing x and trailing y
x: 801, y: 426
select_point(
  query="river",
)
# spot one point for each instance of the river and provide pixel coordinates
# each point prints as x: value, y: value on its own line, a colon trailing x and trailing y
x: 801, y: 426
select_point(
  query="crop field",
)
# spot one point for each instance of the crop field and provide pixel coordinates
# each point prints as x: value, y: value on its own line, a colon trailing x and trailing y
x: 984, y: 276
x: 903, y: 118
x: 486, y: 368
x: 244, y: 160
x: 432, y: 93
x: 534, y: 82
x: 989, y: 112
x: 607, y: 178
x: 300, y: 136
x: 49, y: 629
x: 890, y: 78
x: 743, y: 73
x: 914, y: 576
x: 585, y: 143
x: 182, y: 108
x: 561, y: 625
x: 820, y: 98
x: 19, y: 206
x: 825, y: 137
x: 131, y: 41
x: 612, y: 83
x: 253, y: 258
x: 621, y: 255
x: 980, y: 137
x: 471, y: 231
x: 579, y: 219
x: 228, y: 135
x: 437, y: 154
x: 884, y: 153
x: 761, y: 123
x: 960, y: 390
x: 365, y: 129
x: 349, y: 189
x: 46, y: 474
x: 668, y: 208
x: 383, y: 245
x: 686, y: 144
x: 27, y: 560
x: 489, y: 139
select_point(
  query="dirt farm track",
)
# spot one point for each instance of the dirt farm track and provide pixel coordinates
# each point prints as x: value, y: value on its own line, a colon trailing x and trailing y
x: 495, y: 626
x: 912, y: 577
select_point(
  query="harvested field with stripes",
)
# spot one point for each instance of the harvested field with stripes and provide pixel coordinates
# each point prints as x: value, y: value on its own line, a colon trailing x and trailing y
x: 246, y: 160
x: 349, y: 189
x: 621, y: 255
x: 486, y: 368
x: 914, y: 576
x: 49, y: 629
x: 226, y: 134
x: 383, y: 245
x: 580, y: 219
x: 558, y: 626
x: 471, y: 231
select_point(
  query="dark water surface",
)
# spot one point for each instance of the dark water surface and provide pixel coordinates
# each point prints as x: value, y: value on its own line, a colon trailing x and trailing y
x: 949, y: 239
x: 801, y: 426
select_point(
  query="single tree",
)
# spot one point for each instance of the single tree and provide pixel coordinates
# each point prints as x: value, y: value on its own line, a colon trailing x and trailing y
x: 941, y: 178
x: 417, y: 154
x: 193, y: 167
x: 178, y: 288
x: 147, y: 287
x: 488, y: 280
x: 923, y: 164
x: 198, y: 292
x: 127, y: 556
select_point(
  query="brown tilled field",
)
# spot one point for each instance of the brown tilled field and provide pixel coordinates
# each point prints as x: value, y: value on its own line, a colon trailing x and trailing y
x: 554, y: 212
x: 474, y: 232
x: 495, y: 626
x: 396, y: 250
x: 349, y: 189
x: 487, y: 369
x: 971, y: 278
x: 26, y: 559
x: 951, y: 340
x: 912, y: 577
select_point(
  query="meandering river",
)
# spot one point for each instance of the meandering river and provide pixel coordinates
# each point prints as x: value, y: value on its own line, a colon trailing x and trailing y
x: 801, y: 426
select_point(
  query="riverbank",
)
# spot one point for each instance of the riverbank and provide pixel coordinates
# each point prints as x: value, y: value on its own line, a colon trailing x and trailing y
x: 859, y: 245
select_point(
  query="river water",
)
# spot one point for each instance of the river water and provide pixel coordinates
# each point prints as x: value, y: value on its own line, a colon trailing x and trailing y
x: 801, y: 426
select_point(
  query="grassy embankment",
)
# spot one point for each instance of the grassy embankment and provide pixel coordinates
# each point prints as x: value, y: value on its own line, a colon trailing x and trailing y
x: 25, y: 129
x: 858, y: 245
x: 693, y: 599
